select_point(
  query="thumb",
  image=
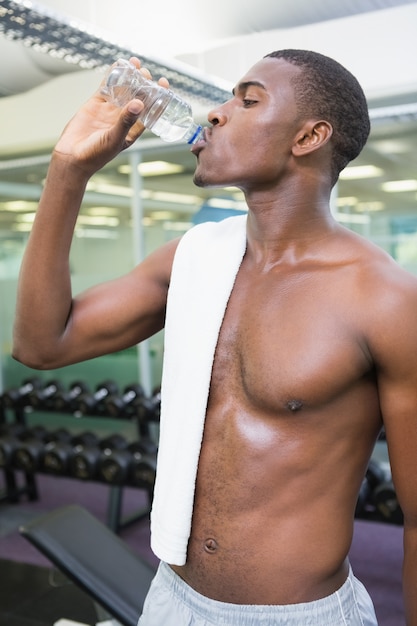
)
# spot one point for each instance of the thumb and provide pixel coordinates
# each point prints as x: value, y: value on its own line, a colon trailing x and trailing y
x: 129, y: 126
x: 134, y: 107
x: 128, y: 118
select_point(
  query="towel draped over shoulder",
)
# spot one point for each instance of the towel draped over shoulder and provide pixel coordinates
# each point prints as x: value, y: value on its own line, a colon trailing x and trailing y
x: 205, y: 266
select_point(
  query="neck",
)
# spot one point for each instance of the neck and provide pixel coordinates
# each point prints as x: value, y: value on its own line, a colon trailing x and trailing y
x: 286, y: 229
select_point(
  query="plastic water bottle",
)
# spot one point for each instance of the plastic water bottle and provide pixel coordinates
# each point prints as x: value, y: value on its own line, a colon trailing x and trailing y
x: 164, y: 113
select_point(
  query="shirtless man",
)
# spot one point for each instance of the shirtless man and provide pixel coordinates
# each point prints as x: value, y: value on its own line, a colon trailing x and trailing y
x: 317, y: 349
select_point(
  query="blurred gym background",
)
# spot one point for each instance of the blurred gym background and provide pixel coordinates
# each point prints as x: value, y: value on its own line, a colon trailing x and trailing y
x: 88, y: 433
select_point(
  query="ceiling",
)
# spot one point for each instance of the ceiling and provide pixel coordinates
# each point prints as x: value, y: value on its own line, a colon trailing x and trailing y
x: 181, y: 28
x: 390, y: 148
x: 187, y: 26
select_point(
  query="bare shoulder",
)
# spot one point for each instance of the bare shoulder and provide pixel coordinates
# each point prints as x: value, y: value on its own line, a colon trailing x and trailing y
x: 387, y: 301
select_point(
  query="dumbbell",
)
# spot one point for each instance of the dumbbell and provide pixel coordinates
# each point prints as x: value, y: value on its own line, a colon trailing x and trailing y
x: 85, y: 460
x: 9, y: 439
x: 85, y: 454
x: 116, y: 465
x: 148, y: 409
x: 92, y: 403
x: 17, y: 397
x: 66, y: 401
x: 42, y: 398
x: 28, y: 453
x: 57, y: 454
x: 123, y: 405
x: 143, y: 468
x: 386, y: 503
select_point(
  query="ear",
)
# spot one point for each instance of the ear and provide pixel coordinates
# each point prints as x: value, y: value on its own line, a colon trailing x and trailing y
x: 312, y: 136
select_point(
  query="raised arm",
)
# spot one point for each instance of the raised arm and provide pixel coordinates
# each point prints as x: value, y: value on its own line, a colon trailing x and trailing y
x: 51, y: 327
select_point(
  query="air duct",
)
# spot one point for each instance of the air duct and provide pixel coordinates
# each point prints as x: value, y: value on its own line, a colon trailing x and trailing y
x: 71, y: 46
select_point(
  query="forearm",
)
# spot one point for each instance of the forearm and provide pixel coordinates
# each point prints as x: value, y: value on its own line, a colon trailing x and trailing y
x: 48, y: 332
x: 44, y: 290
x: 410, y: 575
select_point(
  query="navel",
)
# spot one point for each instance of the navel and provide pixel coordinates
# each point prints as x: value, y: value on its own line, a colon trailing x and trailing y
x: 294, y: 405
x: 210, y: 545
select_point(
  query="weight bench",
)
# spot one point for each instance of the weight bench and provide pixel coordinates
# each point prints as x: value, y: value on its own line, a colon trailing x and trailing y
x: 94, y: 558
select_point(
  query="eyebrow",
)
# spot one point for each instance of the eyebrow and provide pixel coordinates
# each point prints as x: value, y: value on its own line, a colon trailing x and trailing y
x: 245, y: 85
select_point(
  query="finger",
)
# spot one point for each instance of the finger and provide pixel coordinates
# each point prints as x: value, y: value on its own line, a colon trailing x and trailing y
x: 144, y: 70
x: 131, y: 125
x: 163, y: 82
x: 134, y: 108
x: 136, y: 62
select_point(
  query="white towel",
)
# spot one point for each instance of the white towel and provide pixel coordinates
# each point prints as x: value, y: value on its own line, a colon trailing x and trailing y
x: 204, y: 270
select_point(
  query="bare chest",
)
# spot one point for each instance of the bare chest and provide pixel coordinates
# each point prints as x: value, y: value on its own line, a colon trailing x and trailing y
x: 288, y: 344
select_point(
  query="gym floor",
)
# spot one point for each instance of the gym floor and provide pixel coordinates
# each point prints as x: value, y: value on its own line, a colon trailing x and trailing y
x: 31, y: 595
x: 32, y: 592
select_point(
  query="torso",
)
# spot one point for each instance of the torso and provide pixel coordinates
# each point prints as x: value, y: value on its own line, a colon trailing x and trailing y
x: 291, y: 422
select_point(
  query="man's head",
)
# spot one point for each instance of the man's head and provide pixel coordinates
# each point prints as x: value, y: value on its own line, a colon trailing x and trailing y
x: 326, y: 90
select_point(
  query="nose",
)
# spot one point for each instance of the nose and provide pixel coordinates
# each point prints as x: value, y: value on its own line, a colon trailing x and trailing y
x: 217, y: 116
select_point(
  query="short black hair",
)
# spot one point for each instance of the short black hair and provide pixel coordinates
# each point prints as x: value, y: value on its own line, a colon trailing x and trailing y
x: 326, y: 89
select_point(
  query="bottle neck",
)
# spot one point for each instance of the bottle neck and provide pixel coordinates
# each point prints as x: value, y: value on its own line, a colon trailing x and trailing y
x: 195, y: 133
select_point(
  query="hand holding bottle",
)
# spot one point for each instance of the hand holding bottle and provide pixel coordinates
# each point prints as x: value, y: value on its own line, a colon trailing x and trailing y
x: 164, y: 112
x: 100, y: 130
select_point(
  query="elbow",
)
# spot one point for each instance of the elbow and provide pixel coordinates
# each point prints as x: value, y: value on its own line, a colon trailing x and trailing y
x: 30, y: 357
x: 29, y: 361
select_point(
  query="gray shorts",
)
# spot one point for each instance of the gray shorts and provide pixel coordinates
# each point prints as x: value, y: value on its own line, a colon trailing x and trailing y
x: 171, y: 602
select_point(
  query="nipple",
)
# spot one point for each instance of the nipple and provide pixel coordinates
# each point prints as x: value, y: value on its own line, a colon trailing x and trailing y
x: 294, y: 405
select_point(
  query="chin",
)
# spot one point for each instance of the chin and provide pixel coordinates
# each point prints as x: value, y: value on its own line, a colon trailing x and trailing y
x: 203, y: 180
x: 198, y: 180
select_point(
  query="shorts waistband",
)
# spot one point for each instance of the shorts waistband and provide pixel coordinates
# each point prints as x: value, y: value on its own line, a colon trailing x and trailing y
x: 323, y: 611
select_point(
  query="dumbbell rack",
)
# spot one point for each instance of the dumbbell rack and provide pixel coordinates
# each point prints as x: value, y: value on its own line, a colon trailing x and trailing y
x: 13, y: 493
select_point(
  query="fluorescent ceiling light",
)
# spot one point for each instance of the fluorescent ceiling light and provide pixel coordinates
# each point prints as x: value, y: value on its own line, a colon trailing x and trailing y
x: 19, y: 205
x: 391, y: 146
x: 347, y: 201
x: 26, y: 218
x: 21, y: 228
x: 361, y: 171
x: 400, y: 185
x: 162, y: 215
x: 176, y: 198
x: 352, y: 218
x: 162, y: 196
x: 102, y: 210
x: 97, y: 220
x: 154, y: 168
x: 370, y: 206
x: 159, y: 168
x: 112, y: 190
x: 95, y: 233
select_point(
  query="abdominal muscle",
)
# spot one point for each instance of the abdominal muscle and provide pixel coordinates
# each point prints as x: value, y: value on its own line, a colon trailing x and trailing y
x: 269, y: 525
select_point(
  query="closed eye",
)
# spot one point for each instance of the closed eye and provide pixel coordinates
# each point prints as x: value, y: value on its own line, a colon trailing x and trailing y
x: 248, y: 103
